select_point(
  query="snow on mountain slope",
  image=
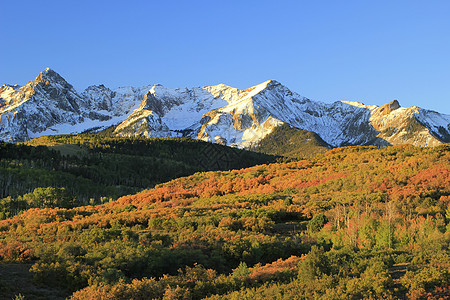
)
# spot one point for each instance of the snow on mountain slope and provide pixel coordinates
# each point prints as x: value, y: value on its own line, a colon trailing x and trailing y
x: 177, y: 109
x: 262, y: 107
x: 40, y: 104
x: 399, y: 125
x: 50, y: 105
x: 221, y: 114
x: 143, y: 122
x: 437, y: 124
x: 241, y: 123
x: 270, y: 104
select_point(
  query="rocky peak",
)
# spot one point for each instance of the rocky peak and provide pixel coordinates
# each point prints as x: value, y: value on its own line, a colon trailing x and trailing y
x: 150, y: 102
x: 272, y: 83
x: 10, y: 86
x: 49, y: 76
x: 99, y: 97
x: 50, y: 85
x: 51, y: 93
x: 97, y: 89
x: 359, y: 104
x: 223, y: 91
x: 161, y: 99
x: 266, y: 85
x: 6, y: 93
x: 388, y: 107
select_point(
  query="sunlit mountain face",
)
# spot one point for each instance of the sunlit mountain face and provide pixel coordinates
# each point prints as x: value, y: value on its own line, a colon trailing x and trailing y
x: 218, y: 114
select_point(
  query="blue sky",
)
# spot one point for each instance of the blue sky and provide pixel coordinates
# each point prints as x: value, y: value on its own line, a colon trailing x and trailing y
x: 367, y: 51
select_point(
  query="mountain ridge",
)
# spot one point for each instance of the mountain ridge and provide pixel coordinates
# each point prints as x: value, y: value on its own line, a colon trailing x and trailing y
x: 220, y: 114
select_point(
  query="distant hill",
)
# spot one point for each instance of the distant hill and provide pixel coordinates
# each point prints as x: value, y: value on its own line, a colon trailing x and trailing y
x: 292, y: 142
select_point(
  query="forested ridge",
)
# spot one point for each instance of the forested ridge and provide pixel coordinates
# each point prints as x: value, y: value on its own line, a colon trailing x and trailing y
x: 291, y: 142
x: 355, y: 222
x: 93, y: 169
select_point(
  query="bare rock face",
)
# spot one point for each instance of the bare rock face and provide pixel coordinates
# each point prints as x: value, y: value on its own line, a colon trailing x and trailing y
x: 388, y: 108
x: 144, y: 123
x: 400, y: 125
x: 99, y: 97
x: 218, y: 114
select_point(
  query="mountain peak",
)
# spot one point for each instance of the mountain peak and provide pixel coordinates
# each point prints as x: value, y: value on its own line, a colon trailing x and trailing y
x: 270, y: 83
x: 47, y: 72
x: 240, y: 118
x: 48, y: 75
x: 355, y: 103
x: 389, y: 107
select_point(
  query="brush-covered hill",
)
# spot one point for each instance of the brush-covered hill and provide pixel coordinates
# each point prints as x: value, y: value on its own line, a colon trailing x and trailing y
x: 96, y: 168
x: 356, y: 222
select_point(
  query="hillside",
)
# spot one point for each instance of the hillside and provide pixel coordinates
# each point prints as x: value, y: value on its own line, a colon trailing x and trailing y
x: 94, y: 169
x: 355, y: 222
x: 291, y: 142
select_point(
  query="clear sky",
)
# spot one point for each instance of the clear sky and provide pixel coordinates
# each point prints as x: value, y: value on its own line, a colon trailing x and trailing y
x: 367, y: 51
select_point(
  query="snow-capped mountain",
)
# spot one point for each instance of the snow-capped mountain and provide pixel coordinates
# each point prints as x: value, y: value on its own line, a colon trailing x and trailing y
x: 220, y: 114
x: 49, y: 105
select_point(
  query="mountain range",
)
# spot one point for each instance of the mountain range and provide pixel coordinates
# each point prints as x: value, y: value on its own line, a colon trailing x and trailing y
x: 220, y: 114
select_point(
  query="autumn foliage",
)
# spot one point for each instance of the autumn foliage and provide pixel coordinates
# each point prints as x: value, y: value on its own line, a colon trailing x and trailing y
x: 265, y: 230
